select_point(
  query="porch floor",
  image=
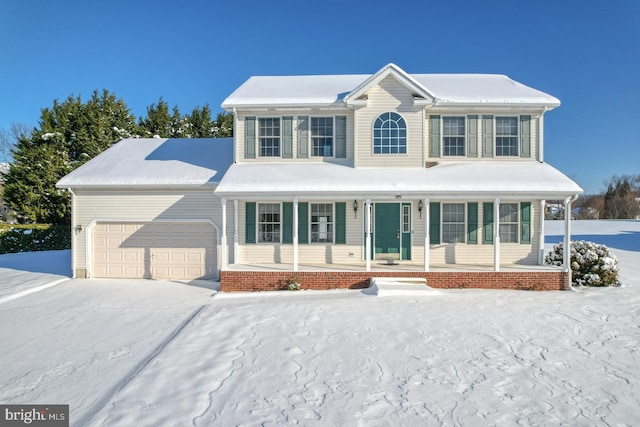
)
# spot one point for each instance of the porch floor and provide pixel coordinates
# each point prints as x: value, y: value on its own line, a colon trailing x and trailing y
x: 383, y: 266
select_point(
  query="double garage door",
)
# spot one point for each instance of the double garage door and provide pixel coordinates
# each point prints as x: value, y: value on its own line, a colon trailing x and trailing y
x: 182, y: 251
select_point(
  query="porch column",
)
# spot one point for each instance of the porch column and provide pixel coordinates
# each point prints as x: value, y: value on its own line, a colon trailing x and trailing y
x: 496, y: 235
x: 367, y: 233
x: 541, y: 236
x: 566, y: 246
x: 427, y: 233
x: 235, y: 231
x: 295, y: 234
x: 223, y: 238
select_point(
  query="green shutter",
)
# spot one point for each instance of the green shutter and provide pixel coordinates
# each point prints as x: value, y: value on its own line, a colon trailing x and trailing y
x: 487, y: 136
x: 341, y: 222
x: 287, y: 222
x: 472, y: 223
x: 303, y: 222
x: 250, y: 222
x: 487, y: 223
x: 341, y: 137
x: 434, y: 136
x: 434, y: 223
x: 472, y: 136
x: 303, y: 137
x: 250, y: 138
x: 287, y: 137
x: 525, y: 222
x: 525, y: 136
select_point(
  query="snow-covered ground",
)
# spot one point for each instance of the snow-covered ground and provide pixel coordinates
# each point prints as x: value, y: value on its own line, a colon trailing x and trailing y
x: 22, y: 273
x: 160, y: 353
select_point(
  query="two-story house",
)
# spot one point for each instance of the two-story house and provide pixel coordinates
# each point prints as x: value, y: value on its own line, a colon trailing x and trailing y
x: 339, y: 178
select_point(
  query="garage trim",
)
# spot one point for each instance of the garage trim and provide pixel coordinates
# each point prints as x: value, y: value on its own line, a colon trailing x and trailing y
x: 92, y: 224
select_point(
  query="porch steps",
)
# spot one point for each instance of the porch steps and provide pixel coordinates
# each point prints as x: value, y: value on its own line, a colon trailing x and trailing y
x: 388, y: 286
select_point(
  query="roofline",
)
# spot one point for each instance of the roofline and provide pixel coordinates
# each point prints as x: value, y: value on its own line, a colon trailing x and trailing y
x: 404, y: 195
x: 207, y: 186
x: 398, y: 73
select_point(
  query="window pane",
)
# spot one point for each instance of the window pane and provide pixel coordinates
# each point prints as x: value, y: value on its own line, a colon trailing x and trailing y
x: 390, y: 134
x: 453, y: 223
x: 269, y: 222
x: 321, y: 222
x: 509, y: 222
x: 269, y: 137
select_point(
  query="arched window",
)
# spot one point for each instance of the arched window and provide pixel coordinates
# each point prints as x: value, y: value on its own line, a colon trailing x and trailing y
x: 389, y: 134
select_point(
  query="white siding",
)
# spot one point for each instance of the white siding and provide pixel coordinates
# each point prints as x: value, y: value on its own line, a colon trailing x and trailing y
x: 146, y: 206
x: 389, y: 96
x: 239, y: 133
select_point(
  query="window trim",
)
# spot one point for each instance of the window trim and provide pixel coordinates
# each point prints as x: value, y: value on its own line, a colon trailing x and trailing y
x: 464, y: 137
x: 258, y: 234
x: 333, y: 136
x: 464, y: 224
x: 496, y: 136
x: 333, y: 223
x: 516, y: 223
x: 373, y: 137
x: 259, y: 136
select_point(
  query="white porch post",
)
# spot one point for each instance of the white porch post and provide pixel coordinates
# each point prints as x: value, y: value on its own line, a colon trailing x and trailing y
x: 496, y: 235
x: 566, y: 247
x: 223, y: 239
x: 541, y: 235
x: 367, y: 233
x: 295, y: 234
x: 427, y: 233
x: 235, y: 231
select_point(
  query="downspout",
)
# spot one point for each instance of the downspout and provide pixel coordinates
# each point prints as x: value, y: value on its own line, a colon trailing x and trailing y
x: 541, y: 135
x: 566, y: 247
x: 235, y: 128
x: 74, y: 231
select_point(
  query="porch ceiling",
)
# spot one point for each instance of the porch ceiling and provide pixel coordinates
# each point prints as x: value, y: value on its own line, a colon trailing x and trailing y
x: 473, y: 180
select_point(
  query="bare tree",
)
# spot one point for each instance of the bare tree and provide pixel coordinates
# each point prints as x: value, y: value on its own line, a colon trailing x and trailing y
x: 9, y: 138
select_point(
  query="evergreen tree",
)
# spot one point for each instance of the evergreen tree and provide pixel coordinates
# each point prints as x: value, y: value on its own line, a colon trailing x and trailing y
x: 69, y: 134
x: 199, y: 123
x: 621, y: 197
x: 159, y: 122
x: 223, y: 125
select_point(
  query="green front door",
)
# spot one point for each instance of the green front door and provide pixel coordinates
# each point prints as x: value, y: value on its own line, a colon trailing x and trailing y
x: 387, y: 231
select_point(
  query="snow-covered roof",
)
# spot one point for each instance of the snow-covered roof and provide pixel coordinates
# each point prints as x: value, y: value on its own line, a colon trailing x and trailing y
x: 331, y: 90
x: 475, y: 179
x: 156, y: 162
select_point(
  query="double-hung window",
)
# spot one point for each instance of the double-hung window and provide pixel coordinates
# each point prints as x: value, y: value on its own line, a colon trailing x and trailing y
x: 322, y: 136
x: 506, y: 136
x: 453, y: 136
x: 509, y: 222
x: 453, y: 224
x: 321, y: 222
x: 389, y: 134
x: 269, y: 136
x: 269, y: 222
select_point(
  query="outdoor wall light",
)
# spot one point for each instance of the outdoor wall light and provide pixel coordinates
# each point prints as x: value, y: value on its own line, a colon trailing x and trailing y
x: 355, y: 208
x: 420, y: 206
x: 78, y: 228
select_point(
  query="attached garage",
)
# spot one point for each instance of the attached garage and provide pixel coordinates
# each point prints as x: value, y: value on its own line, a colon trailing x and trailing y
x: 160, y: 250
x: 146, y: 209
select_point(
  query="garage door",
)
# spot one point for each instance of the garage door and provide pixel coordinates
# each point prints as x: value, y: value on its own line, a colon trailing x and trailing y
x: 154, y: 250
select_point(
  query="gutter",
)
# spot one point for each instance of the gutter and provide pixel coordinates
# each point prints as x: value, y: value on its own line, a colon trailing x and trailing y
x: 74, y: 231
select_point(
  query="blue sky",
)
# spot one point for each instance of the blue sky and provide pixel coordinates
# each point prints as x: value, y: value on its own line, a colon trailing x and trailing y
x: 586, y: 53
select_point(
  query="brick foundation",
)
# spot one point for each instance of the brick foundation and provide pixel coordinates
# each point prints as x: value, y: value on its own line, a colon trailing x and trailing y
x: 249, y: 281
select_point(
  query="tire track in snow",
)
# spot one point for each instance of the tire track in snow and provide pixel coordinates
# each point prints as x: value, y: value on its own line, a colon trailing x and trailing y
x: 102, y: 402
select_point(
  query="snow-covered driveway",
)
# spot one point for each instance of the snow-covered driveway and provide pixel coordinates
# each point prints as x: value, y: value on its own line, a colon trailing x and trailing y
x: 77, y: 342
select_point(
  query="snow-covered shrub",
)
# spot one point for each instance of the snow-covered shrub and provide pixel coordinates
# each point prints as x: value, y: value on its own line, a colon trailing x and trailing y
x: 293, y: 284
x: 33, y: 237
x: 592, y: 264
